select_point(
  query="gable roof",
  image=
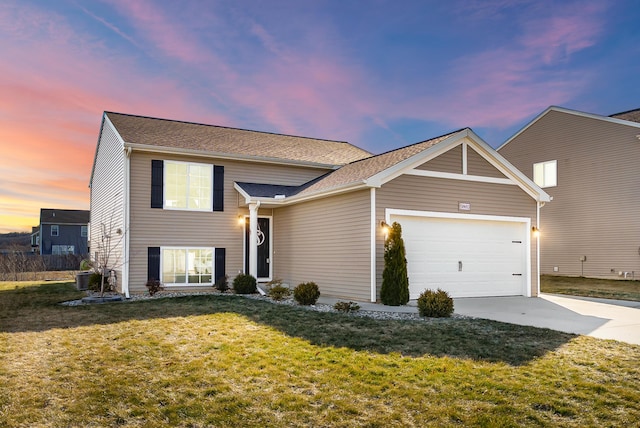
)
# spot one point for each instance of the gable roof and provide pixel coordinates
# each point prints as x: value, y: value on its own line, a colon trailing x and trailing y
x: 377, y: 170
x: 56, y: 216
x: 186, y: 137
x: 630, y: 115
x: 619, y: 118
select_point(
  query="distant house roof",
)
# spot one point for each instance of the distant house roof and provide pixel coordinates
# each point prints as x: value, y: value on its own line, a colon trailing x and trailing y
x: 631, y: 115
x: 56, y: 216
x: 140, y: 132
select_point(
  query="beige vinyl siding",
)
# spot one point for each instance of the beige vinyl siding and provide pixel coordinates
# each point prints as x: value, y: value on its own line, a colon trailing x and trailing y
x: 594, y: 212
x: 153, y: 227
x: 107, y: 198
x: 451, y: 161
x: 442, y: 195
x: 477, y: 165
x: 326, y: 241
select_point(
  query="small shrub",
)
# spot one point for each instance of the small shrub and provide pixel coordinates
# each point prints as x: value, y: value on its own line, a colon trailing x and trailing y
x: 222, y: 283
x: 279, y: 292
x: 153, y: 285
x: 306, y: 293
x: 244, y: 284
x: 436, y: 304
x: 346, y: 307
x: 94, y: 281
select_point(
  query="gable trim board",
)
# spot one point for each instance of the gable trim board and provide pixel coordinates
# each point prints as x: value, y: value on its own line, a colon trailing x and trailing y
x: 380, y: 170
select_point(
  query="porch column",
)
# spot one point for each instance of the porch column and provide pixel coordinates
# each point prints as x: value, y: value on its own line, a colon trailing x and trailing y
x: 253, y: 239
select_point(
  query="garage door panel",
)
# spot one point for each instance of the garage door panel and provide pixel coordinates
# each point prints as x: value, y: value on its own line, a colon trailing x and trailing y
x: 491, y: 253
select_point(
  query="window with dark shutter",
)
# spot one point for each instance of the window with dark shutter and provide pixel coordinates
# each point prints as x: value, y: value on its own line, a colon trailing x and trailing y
x: 153, y: 263
x: 157, y: 179
x: 218, y: 188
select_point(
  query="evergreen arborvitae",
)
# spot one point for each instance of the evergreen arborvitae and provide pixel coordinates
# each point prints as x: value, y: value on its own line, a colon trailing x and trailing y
x: 395, y: 282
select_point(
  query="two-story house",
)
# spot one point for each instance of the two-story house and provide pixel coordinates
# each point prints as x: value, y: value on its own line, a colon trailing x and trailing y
x: 62, y: 232
x: 188, y: 203
x: 589, y: 164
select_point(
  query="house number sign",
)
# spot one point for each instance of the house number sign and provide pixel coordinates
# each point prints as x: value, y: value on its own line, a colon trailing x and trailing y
x: 464, y: 206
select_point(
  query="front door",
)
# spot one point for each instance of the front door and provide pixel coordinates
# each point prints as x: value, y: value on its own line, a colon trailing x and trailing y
x: 264, y: 247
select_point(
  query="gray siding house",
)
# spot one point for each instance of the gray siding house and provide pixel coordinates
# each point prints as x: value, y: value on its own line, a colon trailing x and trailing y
x: 62, y: 232
x: 589, y: 164
x: 187, y: 203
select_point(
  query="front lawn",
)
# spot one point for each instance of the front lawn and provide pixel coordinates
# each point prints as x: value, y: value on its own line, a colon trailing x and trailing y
x: 231, y: 361
x: 591, y: 287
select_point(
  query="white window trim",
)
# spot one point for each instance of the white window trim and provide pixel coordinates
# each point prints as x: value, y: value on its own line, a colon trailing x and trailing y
x: 187, y: 284
x: 164, y: 187
x: 57, y: 229
x: 84, y: 231
x: 543, y: 184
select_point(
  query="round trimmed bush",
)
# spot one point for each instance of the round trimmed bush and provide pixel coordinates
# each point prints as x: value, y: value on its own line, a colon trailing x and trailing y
x: 435, y: 304
x: 306, y: 293
x: 244, y: 284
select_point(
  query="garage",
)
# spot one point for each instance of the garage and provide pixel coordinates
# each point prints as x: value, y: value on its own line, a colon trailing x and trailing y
x: 466, y: 255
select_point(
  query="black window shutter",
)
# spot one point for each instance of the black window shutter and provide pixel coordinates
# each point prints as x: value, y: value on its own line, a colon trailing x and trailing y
x: 218, y: 188
x: 153, y: 264
x: 157, y: 179
x: 219, y: 263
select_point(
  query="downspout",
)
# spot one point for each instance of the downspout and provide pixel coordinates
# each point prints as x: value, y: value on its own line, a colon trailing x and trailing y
x: 538, y: 206
x: 125, y: 255
x: 374, y: 230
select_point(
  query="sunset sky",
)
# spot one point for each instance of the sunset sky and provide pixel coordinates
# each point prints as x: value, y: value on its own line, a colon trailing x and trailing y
x: 379, y: 74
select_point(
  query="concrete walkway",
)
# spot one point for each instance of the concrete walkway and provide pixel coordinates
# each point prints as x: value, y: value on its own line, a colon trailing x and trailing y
x: 602, y: 318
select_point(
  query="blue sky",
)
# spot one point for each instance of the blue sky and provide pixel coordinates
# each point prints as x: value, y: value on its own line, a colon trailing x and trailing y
x: 379, y: 74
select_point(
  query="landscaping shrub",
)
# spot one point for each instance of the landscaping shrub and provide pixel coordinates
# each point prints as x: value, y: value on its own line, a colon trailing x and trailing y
x: 222, y: 283
x: 153, y: 285
x: 346, y: 307
x: 395, y: 281
x: 244, y: 284
x: 306, y: 293
x: 94, y: 281
x: 435, y: 304
x: 279, y: 292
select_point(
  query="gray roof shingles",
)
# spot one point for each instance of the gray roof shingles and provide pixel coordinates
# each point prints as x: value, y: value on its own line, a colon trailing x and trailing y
x: 197, y: 137
x: 353, y: 173
x: 631, y: 115
x: 55, y: 216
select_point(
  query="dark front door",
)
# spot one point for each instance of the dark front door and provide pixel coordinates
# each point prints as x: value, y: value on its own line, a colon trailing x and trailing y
x: 264, y: 247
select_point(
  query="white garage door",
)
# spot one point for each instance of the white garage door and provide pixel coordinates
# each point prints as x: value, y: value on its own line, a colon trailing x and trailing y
x: 467, y: 258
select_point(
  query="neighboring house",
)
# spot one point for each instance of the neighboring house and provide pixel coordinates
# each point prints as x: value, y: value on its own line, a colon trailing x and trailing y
x: 62, y: 232
x: 590, y: 165
x: 189, y: 203
x: 35, y: 239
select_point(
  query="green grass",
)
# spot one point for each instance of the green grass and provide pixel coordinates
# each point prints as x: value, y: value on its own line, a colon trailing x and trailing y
x: 591, y: 287
x: 231, y: 361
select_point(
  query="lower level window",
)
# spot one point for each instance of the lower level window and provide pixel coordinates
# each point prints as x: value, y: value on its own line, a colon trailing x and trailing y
x: 62, y: 250
x: 187, y: 266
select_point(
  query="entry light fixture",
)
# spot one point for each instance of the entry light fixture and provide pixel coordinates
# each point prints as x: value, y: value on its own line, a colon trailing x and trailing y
x: 535, y: 231
x: 240, y: 220
x: 385, y: 227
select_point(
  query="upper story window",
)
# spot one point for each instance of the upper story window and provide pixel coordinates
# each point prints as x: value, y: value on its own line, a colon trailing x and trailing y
x: 84, y: 231
x: 545, y: 174
x: 188, y: 186
x: 55, y: 230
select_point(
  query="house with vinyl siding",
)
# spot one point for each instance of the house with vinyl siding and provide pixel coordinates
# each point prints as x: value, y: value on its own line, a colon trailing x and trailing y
x: 195, y: 202
x: 589, y: 165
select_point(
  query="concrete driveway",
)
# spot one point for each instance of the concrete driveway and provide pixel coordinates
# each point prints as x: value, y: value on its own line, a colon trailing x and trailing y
x: 602, y: 318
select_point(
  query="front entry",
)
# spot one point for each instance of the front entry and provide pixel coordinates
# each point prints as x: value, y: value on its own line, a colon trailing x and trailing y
x: 264, y: 247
